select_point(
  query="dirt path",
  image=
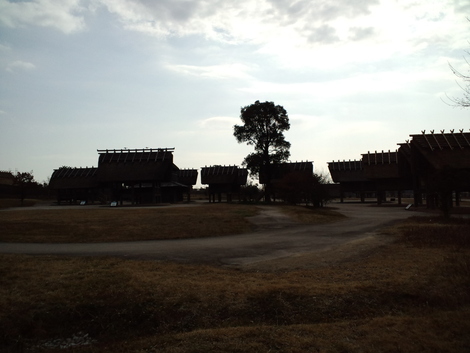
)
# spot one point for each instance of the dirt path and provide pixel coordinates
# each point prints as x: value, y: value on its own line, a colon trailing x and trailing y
x: 278, y: 243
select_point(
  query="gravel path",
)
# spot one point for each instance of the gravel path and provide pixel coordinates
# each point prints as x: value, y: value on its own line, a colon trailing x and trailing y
x: 278, y: 237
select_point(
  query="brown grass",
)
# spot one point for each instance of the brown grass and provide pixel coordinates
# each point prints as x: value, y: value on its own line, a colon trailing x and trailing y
x: 7, y: 203
x: 410, y: 296
x: 439, y: 232
x: 130, y: 224
x: 123, y: 224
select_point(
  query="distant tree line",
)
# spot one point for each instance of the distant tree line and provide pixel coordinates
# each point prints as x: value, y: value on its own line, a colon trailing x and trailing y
x: 21, y: 185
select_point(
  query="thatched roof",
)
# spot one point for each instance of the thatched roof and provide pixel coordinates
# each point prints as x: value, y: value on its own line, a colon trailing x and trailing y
x: 223, y: 175
x: 378, y: 158
x: 345, y: 165
x: 187, y: 176
x: 442, y: 141
x: 74, y: 178
x: 136, y: 165
x: 242, y: 176
x: 346, y: 171
x: 442, y: 150
x: 381, y: 165
x: 278, y: 171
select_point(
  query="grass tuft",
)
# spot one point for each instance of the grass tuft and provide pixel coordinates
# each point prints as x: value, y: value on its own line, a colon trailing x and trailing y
x: 437, y: 232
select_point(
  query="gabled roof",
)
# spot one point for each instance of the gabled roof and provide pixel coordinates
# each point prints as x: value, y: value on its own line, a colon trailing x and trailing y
x: 223, y: 175
x: 442, y: 140
x: 441, y: 150
x: 346, y: 171
x: 298, y: 166
x: 383, y: 165
x: 143, y: 155
x: 280, y: 170
x: 74, y: 178
x: 69, y: 172
x: 345, y: 165
x: 187, y: 176
x: 380, y: 158
x: 135, y: 165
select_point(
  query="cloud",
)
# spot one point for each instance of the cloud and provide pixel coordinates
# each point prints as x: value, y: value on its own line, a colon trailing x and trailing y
x: 323, y: 34
x: 299, y: 33
x: 305, y: 122
x: 62, y: 15
x: 4, y: 48
x: 324, y: 10
x: 361, y: 33
x: 242, y: 21
x: 20, y: 65
x: 213, y: 19
x: 218, y: 123
x: 223, y: 71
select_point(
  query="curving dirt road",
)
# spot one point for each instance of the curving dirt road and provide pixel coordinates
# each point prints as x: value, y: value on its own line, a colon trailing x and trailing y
x: 277, y: 238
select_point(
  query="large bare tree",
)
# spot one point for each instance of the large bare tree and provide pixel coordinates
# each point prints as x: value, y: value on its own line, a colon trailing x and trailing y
x: 464, y: 101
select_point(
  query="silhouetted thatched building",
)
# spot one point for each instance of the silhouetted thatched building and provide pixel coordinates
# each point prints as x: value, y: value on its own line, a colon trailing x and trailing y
x: 429, y: 164
x: 223, y: 180
x: 135, y: 175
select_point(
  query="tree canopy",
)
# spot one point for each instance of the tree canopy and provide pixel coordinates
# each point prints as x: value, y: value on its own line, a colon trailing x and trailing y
x: 23, y: 180
x: 263, y: 127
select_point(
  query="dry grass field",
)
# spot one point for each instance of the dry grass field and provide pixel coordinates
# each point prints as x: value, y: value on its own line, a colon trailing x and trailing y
x: 412, y: 295
x: 89, y: 225
x: 6, y: 203
x: 103, y: 224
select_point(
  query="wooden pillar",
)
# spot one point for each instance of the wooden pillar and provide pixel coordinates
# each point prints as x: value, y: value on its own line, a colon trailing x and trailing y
x: 362, y: 193
x: 431, y: 200
x: 132, y: 194
x: 381, y: 196
x: 399, y: 197
x: 417, y: 192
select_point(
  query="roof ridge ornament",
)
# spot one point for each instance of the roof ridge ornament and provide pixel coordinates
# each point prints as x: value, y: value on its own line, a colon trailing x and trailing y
x: 465, y: 138
x: 445, y: 138
x: 435, y: 139
x: 427, y: 141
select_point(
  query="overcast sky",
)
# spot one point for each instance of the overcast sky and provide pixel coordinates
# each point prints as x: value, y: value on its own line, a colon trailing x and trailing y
x: 354, y: 76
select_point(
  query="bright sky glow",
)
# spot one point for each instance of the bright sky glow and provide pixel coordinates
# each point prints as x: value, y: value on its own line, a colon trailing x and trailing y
x: 354, y: 76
